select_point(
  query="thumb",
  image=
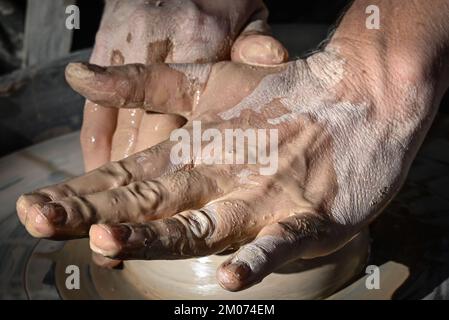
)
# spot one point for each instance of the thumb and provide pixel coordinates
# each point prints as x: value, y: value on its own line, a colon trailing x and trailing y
x: 256, y: 46
x: 298, y: 236
x: 158, y: 87
x: 257, y: 49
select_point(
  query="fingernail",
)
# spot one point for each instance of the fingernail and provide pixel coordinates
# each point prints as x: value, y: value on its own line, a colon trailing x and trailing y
x: 262, y: 51
x: 107, y: 240
x: 26, y: 201
x: 79, y: 71
x: 240, y: 270
x: 37, y: 223
x: 234, y: 276
x: 83, y: 71
x: 54, y: 213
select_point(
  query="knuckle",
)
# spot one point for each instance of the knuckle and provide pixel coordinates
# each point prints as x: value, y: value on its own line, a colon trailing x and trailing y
x: 201, y: 224
x: 148, y: 192
x: 79, y: 212
x: 120, y: 175
x: 59, y: 191
x: 300, y: 227
x: 200, y: 227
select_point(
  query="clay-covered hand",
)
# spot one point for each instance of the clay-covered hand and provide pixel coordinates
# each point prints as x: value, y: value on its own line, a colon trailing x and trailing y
x: 153, y: 31
x: 344, y: 145
x: 150, y: 31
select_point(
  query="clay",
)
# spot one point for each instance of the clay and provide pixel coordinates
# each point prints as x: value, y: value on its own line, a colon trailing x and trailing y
x: 117, y: 58
x: 159, y: 51
x: 196, y: 278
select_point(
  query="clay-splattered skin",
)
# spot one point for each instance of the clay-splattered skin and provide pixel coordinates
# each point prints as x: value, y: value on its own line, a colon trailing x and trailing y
x: 346, y: 140
x: 144, y: 31
x: 147, y: 31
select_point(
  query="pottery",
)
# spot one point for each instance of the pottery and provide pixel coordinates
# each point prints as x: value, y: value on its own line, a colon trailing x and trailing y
x: 300, y: 279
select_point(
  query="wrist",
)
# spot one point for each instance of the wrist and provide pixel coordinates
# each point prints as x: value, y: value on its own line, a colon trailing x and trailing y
x: 410, y: 48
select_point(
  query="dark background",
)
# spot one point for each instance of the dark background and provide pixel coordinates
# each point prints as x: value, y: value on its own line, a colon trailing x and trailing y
x: 36, y: 104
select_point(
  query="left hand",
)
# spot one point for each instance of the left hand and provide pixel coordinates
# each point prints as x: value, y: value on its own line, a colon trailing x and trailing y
x: 344, y: 151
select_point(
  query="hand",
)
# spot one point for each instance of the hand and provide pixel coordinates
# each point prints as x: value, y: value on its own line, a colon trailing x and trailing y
x: 157, y: 31
x: 344, y: 150
x: 349, y: 120
x: 167, y: 31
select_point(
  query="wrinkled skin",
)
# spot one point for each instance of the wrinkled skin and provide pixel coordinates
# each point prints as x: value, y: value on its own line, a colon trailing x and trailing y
x: 323, y: 192
x: 148, y: 32
x: 347, y: 137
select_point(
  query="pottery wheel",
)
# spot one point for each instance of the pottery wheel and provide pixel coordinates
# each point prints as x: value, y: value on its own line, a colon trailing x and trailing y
x: 410, y: 241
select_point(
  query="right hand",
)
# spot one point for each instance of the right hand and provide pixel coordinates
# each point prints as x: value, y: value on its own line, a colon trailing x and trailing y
x: 168, y: 31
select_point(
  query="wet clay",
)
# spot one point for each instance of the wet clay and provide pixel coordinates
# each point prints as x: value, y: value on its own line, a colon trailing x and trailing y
x: 301, y: 279
x: 195, y: 278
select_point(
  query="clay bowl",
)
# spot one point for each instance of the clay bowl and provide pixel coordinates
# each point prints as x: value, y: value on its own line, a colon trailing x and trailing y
x: 195, y: 278
x: 300, y: 279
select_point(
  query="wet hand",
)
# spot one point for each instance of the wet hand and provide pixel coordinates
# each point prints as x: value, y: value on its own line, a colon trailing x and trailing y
x: 167, y: 31
x: 343, y: 147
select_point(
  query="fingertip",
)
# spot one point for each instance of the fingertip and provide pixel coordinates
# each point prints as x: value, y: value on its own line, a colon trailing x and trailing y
x: 22, y: 206
x: 78, y: 70
x: 234, y: 276
x: 83, y: 76
x: 37, y: 223
x: 26, y: 201
x: 259, y: 50
x: 107, y: 240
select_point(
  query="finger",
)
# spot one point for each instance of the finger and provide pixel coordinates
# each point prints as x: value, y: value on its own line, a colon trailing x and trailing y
x: 137, y: 202
x: 96, y: 135
x: 260, y: 50
x: 298, y: 236
x: 98, y: 125
x: 208, y: 230
x: 125, y: 136
x: 145, y: 165
x: 105, y: 262
x: 256, y: 46
x: 137, y: 132
x: 155, y: 128
x: 157, y: 87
